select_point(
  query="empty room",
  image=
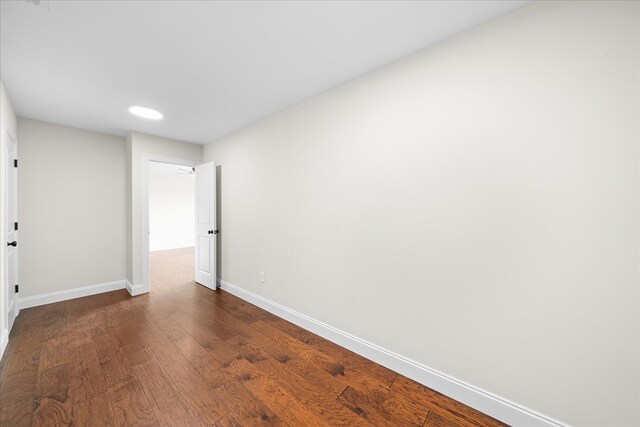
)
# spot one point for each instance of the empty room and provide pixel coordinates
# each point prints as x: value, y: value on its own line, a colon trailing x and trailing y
x: 320, y: 213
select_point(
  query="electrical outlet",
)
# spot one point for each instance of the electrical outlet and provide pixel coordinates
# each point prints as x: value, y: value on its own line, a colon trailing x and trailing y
x: 261, y: 277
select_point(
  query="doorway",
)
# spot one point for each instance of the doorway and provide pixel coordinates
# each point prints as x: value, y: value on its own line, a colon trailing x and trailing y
x: 171, y: 219
x: 179, y: 220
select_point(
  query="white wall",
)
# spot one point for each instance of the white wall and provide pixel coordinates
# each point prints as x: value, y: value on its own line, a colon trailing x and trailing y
x: 171, y: 207
x: 139, y: 145
x: 71, y: 186
x: 474, y: 207
x: 8, y: 123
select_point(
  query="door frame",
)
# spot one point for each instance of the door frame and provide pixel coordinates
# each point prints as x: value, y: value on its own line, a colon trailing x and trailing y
x: 146, y: 159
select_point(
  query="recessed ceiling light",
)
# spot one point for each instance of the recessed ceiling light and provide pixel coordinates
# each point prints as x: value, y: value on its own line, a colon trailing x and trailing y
x: 146, y: 113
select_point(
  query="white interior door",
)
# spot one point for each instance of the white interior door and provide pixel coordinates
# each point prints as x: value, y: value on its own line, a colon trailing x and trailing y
x: 11, y: 227
x: 206, y: 231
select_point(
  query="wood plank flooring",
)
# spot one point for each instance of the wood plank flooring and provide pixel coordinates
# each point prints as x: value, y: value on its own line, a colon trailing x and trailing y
x: 184, y: 355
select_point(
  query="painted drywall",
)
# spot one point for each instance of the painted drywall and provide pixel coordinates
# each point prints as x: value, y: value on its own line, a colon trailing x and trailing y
x: 71, y: 186
x: 139, y: 145
x: 8, y: 123
x: 171, y: 207
x: 474, y: 207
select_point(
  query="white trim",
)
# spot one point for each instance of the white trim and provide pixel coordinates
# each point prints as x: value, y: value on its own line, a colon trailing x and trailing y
x: 146, y: 158
x: 13, y: 308
x: 484, y: 401
x: 136, y: 290
x: 68, y: 294
x: 4, y: 341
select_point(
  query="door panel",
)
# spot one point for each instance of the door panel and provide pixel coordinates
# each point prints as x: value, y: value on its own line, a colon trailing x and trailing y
x: 11, y: 255
x: 204, y: 253
x: 206, y: 232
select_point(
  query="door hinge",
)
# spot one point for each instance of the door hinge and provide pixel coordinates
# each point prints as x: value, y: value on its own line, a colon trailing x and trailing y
x: 17, y: 288
x: 15, y: 163
x: 15, y: 226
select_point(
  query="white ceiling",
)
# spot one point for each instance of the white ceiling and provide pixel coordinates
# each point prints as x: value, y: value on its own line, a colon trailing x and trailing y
x: 210, y: 67
x: 157, y: 168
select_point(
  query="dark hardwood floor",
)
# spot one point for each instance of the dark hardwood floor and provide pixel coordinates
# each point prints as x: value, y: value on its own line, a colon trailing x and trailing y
x: 184, y: 355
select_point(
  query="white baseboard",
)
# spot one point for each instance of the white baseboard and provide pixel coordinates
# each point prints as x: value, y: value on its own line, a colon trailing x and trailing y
x: 68, y: 294
x: 484, y: 401
x: 4, y: 341
x: 137, y: 289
